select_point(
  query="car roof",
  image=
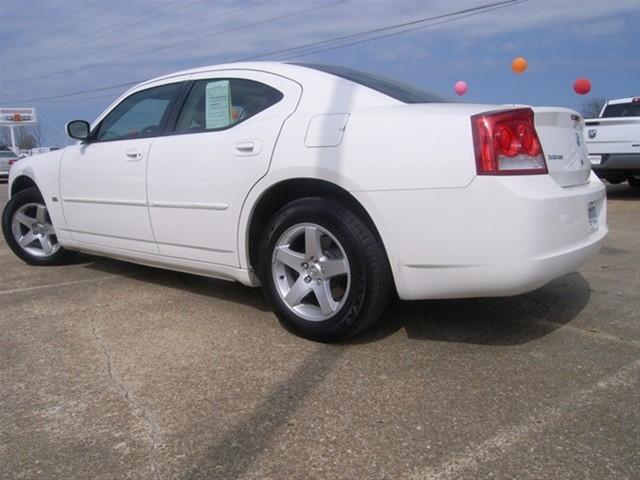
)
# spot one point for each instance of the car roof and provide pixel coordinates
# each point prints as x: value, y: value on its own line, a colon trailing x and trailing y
x: 616, y: 101
x: 281, y: 68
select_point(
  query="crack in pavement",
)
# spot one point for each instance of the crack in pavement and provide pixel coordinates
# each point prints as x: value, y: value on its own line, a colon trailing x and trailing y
x: 138, y: 410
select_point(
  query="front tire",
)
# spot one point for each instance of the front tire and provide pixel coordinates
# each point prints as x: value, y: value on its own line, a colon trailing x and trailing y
x: 29, y: 232
x: 323, y: 270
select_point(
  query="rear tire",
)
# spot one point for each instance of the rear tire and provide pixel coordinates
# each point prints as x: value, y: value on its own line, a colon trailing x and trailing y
x: 322, y: 269
x: 29, y: 232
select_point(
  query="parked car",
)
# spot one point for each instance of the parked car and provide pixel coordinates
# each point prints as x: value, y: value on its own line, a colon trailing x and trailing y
x: 328, y: 187
x: 613, y: 141
x: 7, y: 158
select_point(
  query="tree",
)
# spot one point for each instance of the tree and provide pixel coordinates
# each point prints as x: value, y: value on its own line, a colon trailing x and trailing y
x: 5, y: 137
x: 28, y: 137
x: 39, y: 132
x: 592, y: 108
x: 26, y: 140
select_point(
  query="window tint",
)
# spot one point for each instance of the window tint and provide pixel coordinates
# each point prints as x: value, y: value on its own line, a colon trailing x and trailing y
x: 220, y: 103
x: 622, y: 110
x: 392, y: 88
x: 139, y: 115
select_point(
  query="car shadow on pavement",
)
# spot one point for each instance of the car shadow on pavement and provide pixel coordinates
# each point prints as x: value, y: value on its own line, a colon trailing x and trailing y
x: 233, y: 455
x: 196, y: 284
x: 487, y: 321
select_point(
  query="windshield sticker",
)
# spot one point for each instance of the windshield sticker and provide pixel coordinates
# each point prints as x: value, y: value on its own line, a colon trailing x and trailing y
x: 218, y: 104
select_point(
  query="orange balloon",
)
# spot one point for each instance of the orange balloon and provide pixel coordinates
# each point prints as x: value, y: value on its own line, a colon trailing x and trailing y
x: 519, y: 65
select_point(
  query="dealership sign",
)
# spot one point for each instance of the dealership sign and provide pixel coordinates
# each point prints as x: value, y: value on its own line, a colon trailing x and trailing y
x: 18, y: 116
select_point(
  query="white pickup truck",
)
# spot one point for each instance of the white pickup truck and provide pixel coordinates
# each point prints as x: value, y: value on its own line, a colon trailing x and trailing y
x: 613, y: 141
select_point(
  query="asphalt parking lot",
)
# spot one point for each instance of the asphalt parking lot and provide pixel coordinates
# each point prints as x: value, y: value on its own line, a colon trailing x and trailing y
x: 110, y: 370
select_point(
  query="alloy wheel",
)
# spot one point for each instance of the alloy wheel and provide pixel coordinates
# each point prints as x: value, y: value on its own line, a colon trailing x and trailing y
x: 33, y: 231
x: 311, y: 272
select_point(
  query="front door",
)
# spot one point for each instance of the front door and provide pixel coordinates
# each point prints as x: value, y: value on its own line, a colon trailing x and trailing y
x: 103, y: 181
x: 200, y: 176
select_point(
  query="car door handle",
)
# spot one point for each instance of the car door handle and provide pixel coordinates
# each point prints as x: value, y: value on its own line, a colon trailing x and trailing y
x: 133, y: 155
x: 248, y: 147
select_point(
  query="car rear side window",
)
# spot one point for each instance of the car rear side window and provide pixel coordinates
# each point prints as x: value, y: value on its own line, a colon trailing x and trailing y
x: 392, y: 88
x: 631, y: 109
x: 216, y: 104
x: 139, y: 115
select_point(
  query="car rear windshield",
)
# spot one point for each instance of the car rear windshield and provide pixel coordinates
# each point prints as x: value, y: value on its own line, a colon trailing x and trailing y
x: 392, y: 88
x: 631, y: 109
x: 7, y: 154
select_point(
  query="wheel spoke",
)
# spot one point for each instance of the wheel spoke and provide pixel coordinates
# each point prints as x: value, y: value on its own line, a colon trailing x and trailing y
x: 333, y: 268
x: 312, y: 247
x: 290, y: 258
x: 310, y: 295
x: 27, y: 239
x: 48, y: 229
x: 47, y: 246
x: 24, y: 219
x: 322, y: 292
x: 297, y: 292
x: 41, y: 212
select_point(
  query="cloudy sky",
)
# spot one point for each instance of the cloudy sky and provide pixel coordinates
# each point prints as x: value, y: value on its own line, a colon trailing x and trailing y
x: 70, y: 59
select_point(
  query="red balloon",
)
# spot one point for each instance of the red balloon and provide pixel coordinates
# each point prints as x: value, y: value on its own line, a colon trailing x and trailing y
x: 582, y: 86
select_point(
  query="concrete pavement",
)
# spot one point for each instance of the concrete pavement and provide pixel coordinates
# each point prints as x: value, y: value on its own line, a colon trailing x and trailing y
x: 110, y: 370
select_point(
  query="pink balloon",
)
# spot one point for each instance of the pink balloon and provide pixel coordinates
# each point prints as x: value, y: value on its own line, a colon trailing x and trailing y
x: 461, y: 87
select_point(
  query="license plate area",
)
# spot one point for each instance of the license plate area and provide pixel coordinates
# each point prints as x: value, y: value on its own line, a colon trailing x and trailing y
x: 592, y: 216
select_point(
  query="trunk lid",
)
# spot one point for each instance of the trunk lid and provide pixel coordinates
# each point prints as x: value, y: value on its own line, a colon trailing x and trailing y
x: 561, y: 134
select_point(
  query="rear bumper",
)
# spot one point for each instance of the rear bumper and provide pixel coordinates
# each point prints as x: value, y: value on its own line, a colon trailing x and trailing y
x: 618, y: 162
x: 499, y: 236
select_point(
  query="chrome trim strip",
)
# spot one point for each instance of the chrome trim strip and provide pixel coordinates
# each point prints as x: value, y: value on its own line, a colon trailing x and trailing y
x: 167, y: 244
x: 82, y: 232
x: 431, y: 266
x: 105, y: 201
x: 193, y: 206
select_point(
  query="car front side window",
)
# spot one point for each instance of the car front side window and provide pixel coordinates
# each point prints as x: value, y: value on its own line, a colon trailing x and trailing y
x: 142, y: 114
x: 216, y: 104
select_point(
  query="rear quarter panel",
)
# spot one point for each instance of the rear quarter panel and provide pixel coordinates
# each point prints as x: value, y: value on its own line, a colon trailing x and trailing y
x: 386, y: 148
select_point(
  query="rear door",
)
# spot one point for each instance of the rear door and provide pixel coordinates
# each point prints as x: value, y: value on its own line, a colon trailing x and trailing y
x: 199, y: 177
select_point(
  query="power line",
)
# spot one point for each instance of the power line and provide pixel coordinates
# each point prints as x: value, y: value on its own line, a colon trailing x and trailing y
x: 408, y: 30
x: 108, y: 30
x: 467, y: 12
x: 66, y: 27
x: 196, y: 39
x: 191, y: 24
x: 386, y: 28
x: 113, y: 95
x: 80, y: 92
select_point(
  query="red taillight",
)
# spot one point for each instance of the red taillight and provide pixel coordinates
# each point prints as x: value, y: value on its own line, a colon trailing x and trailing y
x: 12, y: 161
x: 506, y: 143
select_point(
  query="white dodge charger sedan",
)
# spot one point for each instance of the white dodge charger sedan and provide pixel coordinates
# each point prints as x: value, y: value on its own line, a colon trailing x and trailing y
x: 328, y: 187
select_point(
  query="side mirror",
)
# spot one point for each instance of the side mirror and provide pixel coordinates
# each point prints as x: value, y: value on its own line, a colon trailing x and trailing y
x: 78, y: 129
